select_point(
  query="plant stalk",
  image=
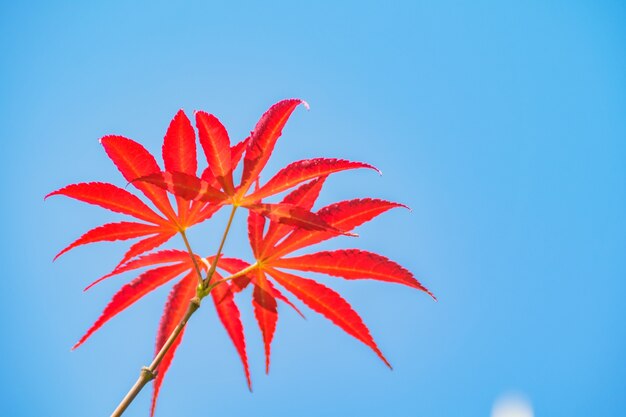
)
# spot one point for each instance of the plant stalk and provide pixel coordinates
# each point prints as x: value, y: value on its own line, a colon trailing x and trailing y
x: 209, y: 274
x: 192, y: 255
x: 148, y: 373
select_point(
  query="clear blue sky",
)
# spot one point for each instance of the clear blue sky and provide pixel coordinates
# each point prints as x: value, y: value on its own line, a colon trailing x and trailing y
x: 502, y: 125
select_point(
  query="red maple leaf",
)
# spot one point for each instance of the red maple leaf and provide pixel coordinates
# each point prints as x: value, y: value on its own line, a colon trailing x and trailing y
x: 257, y: 153
x: 270, y: 250
x: 274, y: 229
x: 133, y: 160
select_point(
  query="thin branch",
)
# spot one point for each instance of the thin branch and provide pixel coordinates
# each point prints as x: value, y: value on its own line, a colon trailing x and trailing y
x: 192, y: 255
x: 209, y: 274
x: 149, y: 373
x: 241, y: 273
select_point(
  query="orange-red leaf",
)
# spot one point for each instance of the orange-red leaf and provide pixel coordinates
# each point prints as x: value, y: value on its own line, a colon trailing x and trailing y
x: 205, y: 213
x: 263, y: 138
x: 303, y: 196
x: 231, y: 320
x: 345, y: 215
x: 179, y: 153
x: 301, y: 171
x: 110, y: 197
x: 112, y: 231
x: 236, y: 152
x: 184, y: 185
x: 256, y: 226
x: 239, y: 284
x: 352, y: 264
x: 134, y: 161
x: 175, y: 309
x: 146, y: 245
x: 330, y: 304
x: 232, y: 266
x: 132, y: 292
x: 277, y: 294
x: 294, y: 216
x: 199, y: 208
x: 179, y: 146
x: 161, y: 257
x: 265, y: 312
x: 216, y: 145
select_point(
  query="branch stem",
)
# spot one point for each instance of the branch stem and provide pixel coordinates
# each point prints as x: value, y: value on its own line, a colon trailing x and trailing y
x: 209, y: 274
x: 144, y: 378
x: 148, y: 373
x: 192, y: 255
x: 241, y: 273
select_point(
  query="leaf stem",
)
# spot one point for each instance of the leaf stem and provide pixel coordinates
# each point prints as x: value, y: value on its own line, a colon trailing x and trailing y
x: 209, y: 274
x: 192, y: 255
x: 233, y: 276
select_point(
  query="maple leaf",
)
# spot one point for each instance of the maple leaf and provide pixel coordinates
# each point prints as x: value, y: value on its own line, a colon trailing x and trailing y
x: 257, y: 153
x: 133, y: 160
x: 282, y: 239
x: 293, y: 226
x: 275, y: 230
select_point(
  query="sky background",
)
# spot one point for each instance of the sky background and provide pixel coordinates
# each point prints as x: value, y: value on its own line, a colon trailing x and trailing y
x: 502, y: 125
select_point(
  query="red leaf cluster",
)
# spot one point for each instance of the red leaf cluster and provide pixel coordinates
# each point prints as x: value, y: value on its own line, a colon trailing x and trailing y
x: 275, y: 230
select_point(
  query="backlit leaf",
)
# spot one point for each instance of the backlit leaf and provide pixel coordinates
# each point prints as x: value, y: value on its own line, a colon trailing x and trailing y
x: 231, y: 320
x: 185, y: 186
x: 304, y: 197
x: 134, y: 161
x: 179, y: 153
x: 345, y: 215
x: 216, y: 145
x: 352, y: 264
x: 133, y: 291
x: 301, y: 171
x: 265, y: 312
x: 292, y: 215
x: 263, y: 138
x: 175, y: 310
x: 112, y: 231
x: 328, y: 303
x: 110, y: 197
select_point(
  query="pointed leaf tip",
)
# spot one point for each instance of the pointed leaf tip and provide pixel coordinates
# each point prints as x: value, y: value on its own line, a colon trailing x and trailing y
x: 263, y: 138
x: 401, y: 205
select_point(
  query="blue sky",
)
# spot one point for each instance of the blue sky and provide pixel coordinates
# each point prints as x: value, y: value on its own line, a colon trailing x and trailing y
x: 502, y: 125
